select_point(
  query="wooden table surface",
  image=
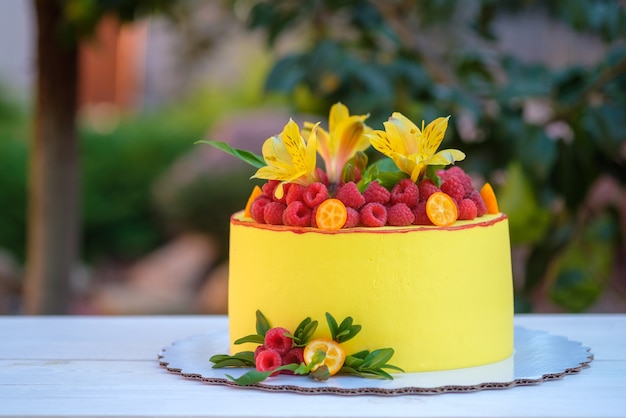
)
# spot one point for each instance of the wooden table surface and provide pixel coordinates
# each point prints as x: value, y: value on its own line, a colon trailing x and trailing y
x: 77, y: 366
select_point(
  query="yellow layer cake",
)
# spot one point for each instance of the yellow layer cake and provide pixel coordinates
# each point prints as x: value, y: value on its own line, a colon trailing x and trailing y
x: 441, y: 297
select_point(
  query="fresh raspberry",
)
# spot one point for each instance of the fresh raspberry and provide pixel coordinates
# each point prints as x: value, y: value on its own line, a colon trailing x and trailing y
x: 294, y: 193
x: 421, y: 218
x: 313, y: 214
x: 426, y: 188
x: 315, y: 194
x: 400, y: 215
x: 270, y: 187
x: 375, y: 193
x: 481, y: 208
x: 353, y: 219
x: 293, y: 356
x: 257, y: 208
x: 258, y: 350
x: 350, y: 196
x: 405, y: 191
x: 453, y: 187
x: 273, y: 213
x: 268, y: 360
x: 467, y: 210
x: 458, y: 173
x: 373, y: 214
x: 297, y: 214
x: 276, y: 339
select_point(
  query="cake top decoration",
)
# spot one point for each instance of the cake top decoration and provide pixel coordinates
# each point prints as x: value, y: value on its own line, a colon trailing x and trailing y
x: 408, y: 185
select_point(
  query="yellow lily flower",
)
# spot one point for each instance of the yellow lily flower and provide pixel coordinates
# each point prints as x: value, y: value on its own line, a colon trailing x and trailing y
x: 412, y: 149
x: 345, y: 137
x: 289, y: 157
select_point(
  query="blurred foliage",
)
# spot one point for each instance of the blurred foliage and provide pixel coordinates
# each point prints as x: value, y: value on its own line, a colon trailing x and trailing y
x: 439, y: 57
x: 121, y: 219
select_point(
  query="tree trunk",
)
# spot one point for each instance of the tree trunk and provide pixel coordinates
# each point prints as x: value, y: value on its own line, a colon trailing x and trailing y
x: 53, y: 215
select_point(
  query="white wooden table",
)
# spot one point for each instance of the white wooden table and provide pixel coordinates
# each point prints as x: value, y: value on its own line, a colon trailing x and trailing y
x: 108, y: 366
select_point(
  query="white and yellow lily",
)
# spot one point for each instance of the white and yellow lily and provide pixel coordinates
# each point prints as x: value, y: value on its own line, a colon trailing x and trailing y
x: 289, y: 157
x: 345, y: 137
x: 412, y: 149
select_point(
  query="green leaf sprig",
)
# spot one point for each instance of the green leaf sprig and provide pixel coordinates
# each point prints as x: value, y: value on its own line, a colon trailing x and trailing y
x: 246, y: 156
x: 304, y: 332
x: 343, y: 332
x: 370, y: 364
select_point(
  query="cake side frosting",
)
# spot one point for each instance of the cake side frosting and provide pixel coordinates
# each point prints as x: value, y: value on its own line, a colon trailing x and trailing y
x: 442, y: 298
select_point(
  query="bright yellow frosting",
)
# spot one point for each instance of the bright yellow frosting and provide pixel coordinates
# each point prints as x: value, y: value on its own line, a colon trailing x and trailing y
x: 442, y: 298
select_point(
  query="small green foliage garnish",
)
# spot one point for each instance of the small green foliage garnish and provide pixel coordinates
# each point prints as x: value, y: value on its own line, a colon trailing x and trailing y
x: 304, y: 332
x: 262, y: 326
x: 345, y: 331
x: 362, y: 364
x: 370, y: 364
x: 241, y: 359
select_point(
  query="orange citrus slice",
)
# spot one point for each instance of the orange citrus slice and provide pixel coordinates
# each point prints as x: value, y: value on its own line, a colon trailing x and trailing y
x: 441, y: 209
x: 489, y: 197
x: 335, y: 355
x: 331, y: 214
x: 255, y: 193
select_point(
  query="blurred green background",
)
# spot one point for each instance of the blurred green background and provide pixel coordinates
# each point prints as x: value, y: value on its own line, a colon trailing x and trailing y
x: 536, y: 91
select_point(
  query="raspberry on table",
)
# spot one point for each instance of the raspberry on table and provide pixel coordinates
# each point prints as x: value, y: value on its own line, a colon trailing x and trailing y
x: 405, y: 191
x: 297, y: 214
x: 453, y: 187
x: 257, y: 208
x: 467, y: 210
x: 400, y: 214
x: 426, y: 188
x: 277, y: 339
x: 353, y: 219
x: 293, y: 356
x: 267, y: 360
x: 258, y: 350
x: 350, y: 196
x: 376, y: 193
x: 315, y: 194
x: 373, y: 214
x: 421, y: 217
x: 273, y: 213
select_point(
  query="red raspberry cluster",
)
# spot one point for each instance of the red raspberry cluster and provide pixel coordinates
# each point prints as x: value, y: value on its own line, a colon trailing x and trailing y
x: 377, y: 206
x: 277, y: 350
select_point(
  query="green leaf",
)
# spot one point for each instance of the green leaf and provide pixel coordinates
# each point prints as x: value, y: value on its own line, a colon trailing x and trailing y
x: 250, y: 378
x: 262, y: 324
x: 245, y: 156
x: 255, y: 376
x: 343, y: 332
x: 378, y: 358
x: 304, y: 331
x: 241, y: 359
x: 252, y: 338
x: 332, y: 325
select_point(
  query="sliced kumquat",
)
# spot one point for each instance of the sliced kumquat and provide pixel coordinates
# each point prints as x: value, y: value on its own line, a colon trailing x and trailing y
x: 331, y: 214
x: 489, y: 197
x: 335, y: 355
x: 441, y: 209
x: 256, y: 192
